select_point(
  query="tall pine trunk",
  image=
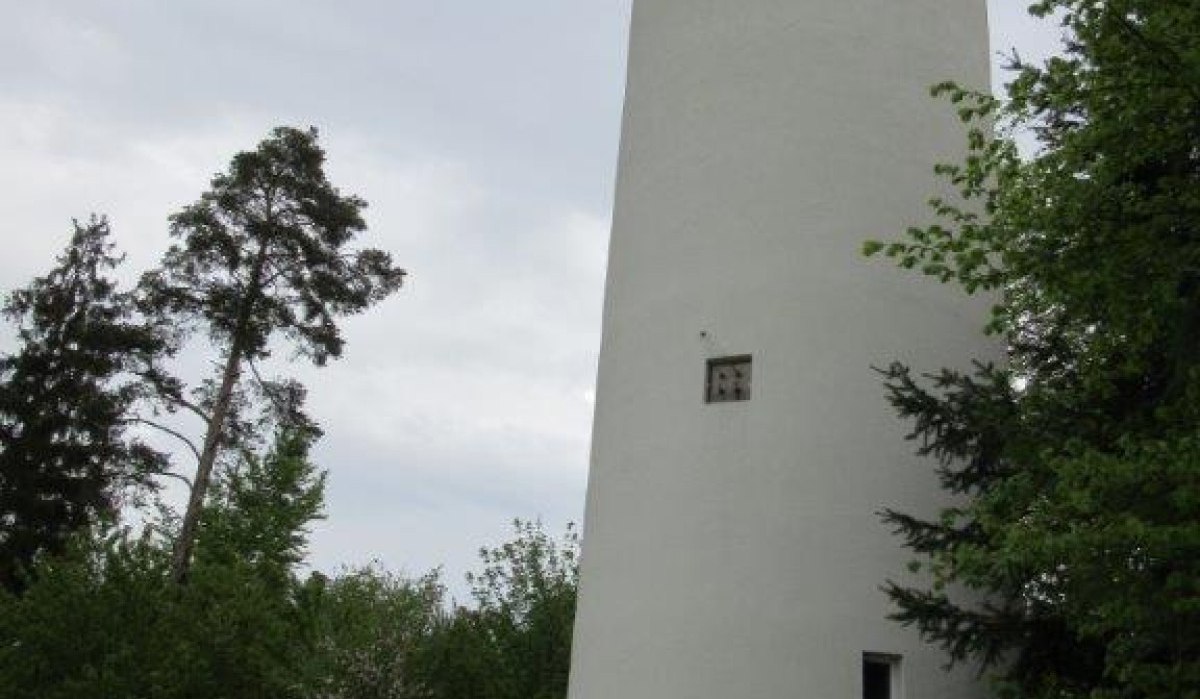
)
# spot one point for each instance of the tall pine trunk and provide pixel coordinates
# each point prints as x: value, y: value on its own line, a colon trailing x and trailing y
x: 181, y: 560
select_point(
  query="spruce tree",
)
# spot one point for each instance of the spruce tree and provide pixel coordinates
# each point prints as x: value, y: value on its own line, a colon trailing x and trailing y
x: 1078, y: 463
x: 66, y: 399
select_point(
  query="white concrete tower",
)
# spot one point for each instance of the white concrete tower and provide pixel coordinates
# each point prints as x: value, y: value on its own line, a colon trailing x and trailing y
x: 742, y: 443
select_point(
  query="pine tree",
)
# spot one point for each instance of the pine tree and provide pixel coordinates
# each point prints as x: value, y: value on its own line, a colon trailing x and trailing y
x: 262, y: 254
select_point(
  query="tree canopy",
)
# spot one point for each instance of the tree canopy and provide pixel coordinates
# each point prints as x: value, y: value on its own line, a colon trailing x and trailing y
x: 105, y: 619
x: 66, y: 399
x: 515, y: 641
x: 263, y: 253
x: 1079, y: 461
x: 94, y: 604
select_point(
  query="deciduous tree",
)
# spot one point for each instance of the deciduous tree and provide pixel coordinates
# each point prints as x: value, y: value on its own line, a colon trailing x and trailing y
x: 372, y: 626
x: 515, y: 642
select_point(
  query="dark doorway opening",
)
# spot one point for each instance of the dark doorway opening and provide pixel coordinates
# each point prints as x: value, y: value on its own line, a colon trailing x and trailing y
x: 879, y: 676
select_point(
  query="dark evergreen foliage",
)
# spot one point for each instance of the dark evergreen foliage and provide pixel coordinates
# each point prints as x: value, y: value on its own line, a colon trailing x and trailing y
x: 264, y: 252
x: 1078, y: 463
x: 66, y: 399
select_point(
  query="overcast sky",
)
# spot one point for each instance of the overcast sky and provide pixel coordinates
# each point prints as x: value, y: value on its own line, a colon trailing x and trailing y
x: 483, y: 134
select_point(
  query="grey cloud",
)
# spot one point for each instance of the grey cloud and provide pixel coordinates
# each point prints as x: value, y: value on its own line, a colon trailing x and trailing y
x: 483, y: 133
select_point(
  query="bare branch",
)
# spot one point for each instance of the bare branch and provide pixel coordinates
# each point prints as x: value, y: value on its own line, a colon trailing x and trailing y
x: 177, y: 476
x: 167, y: 430
x: 190, y: 407
x: 173, y: 395
x: 266, y: 387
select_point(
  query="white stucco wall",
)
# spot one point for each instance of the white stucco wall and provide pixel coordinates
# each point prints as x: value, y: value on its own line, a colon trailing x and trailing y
x: 732, y: 551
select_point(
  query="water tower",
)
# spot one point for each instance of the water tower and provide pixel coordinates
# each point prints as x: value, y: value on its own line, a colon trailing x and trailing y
x: 742, y: 443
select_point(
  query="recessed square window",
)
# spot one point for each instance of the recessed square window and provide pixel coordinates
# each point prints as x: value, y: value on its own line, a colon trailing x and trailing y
x: 728, y: 379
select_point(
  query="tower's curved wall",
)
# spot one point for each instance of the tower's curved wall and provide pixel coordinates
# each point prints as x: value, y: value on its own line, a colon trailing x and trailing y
x: 732, y: 550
